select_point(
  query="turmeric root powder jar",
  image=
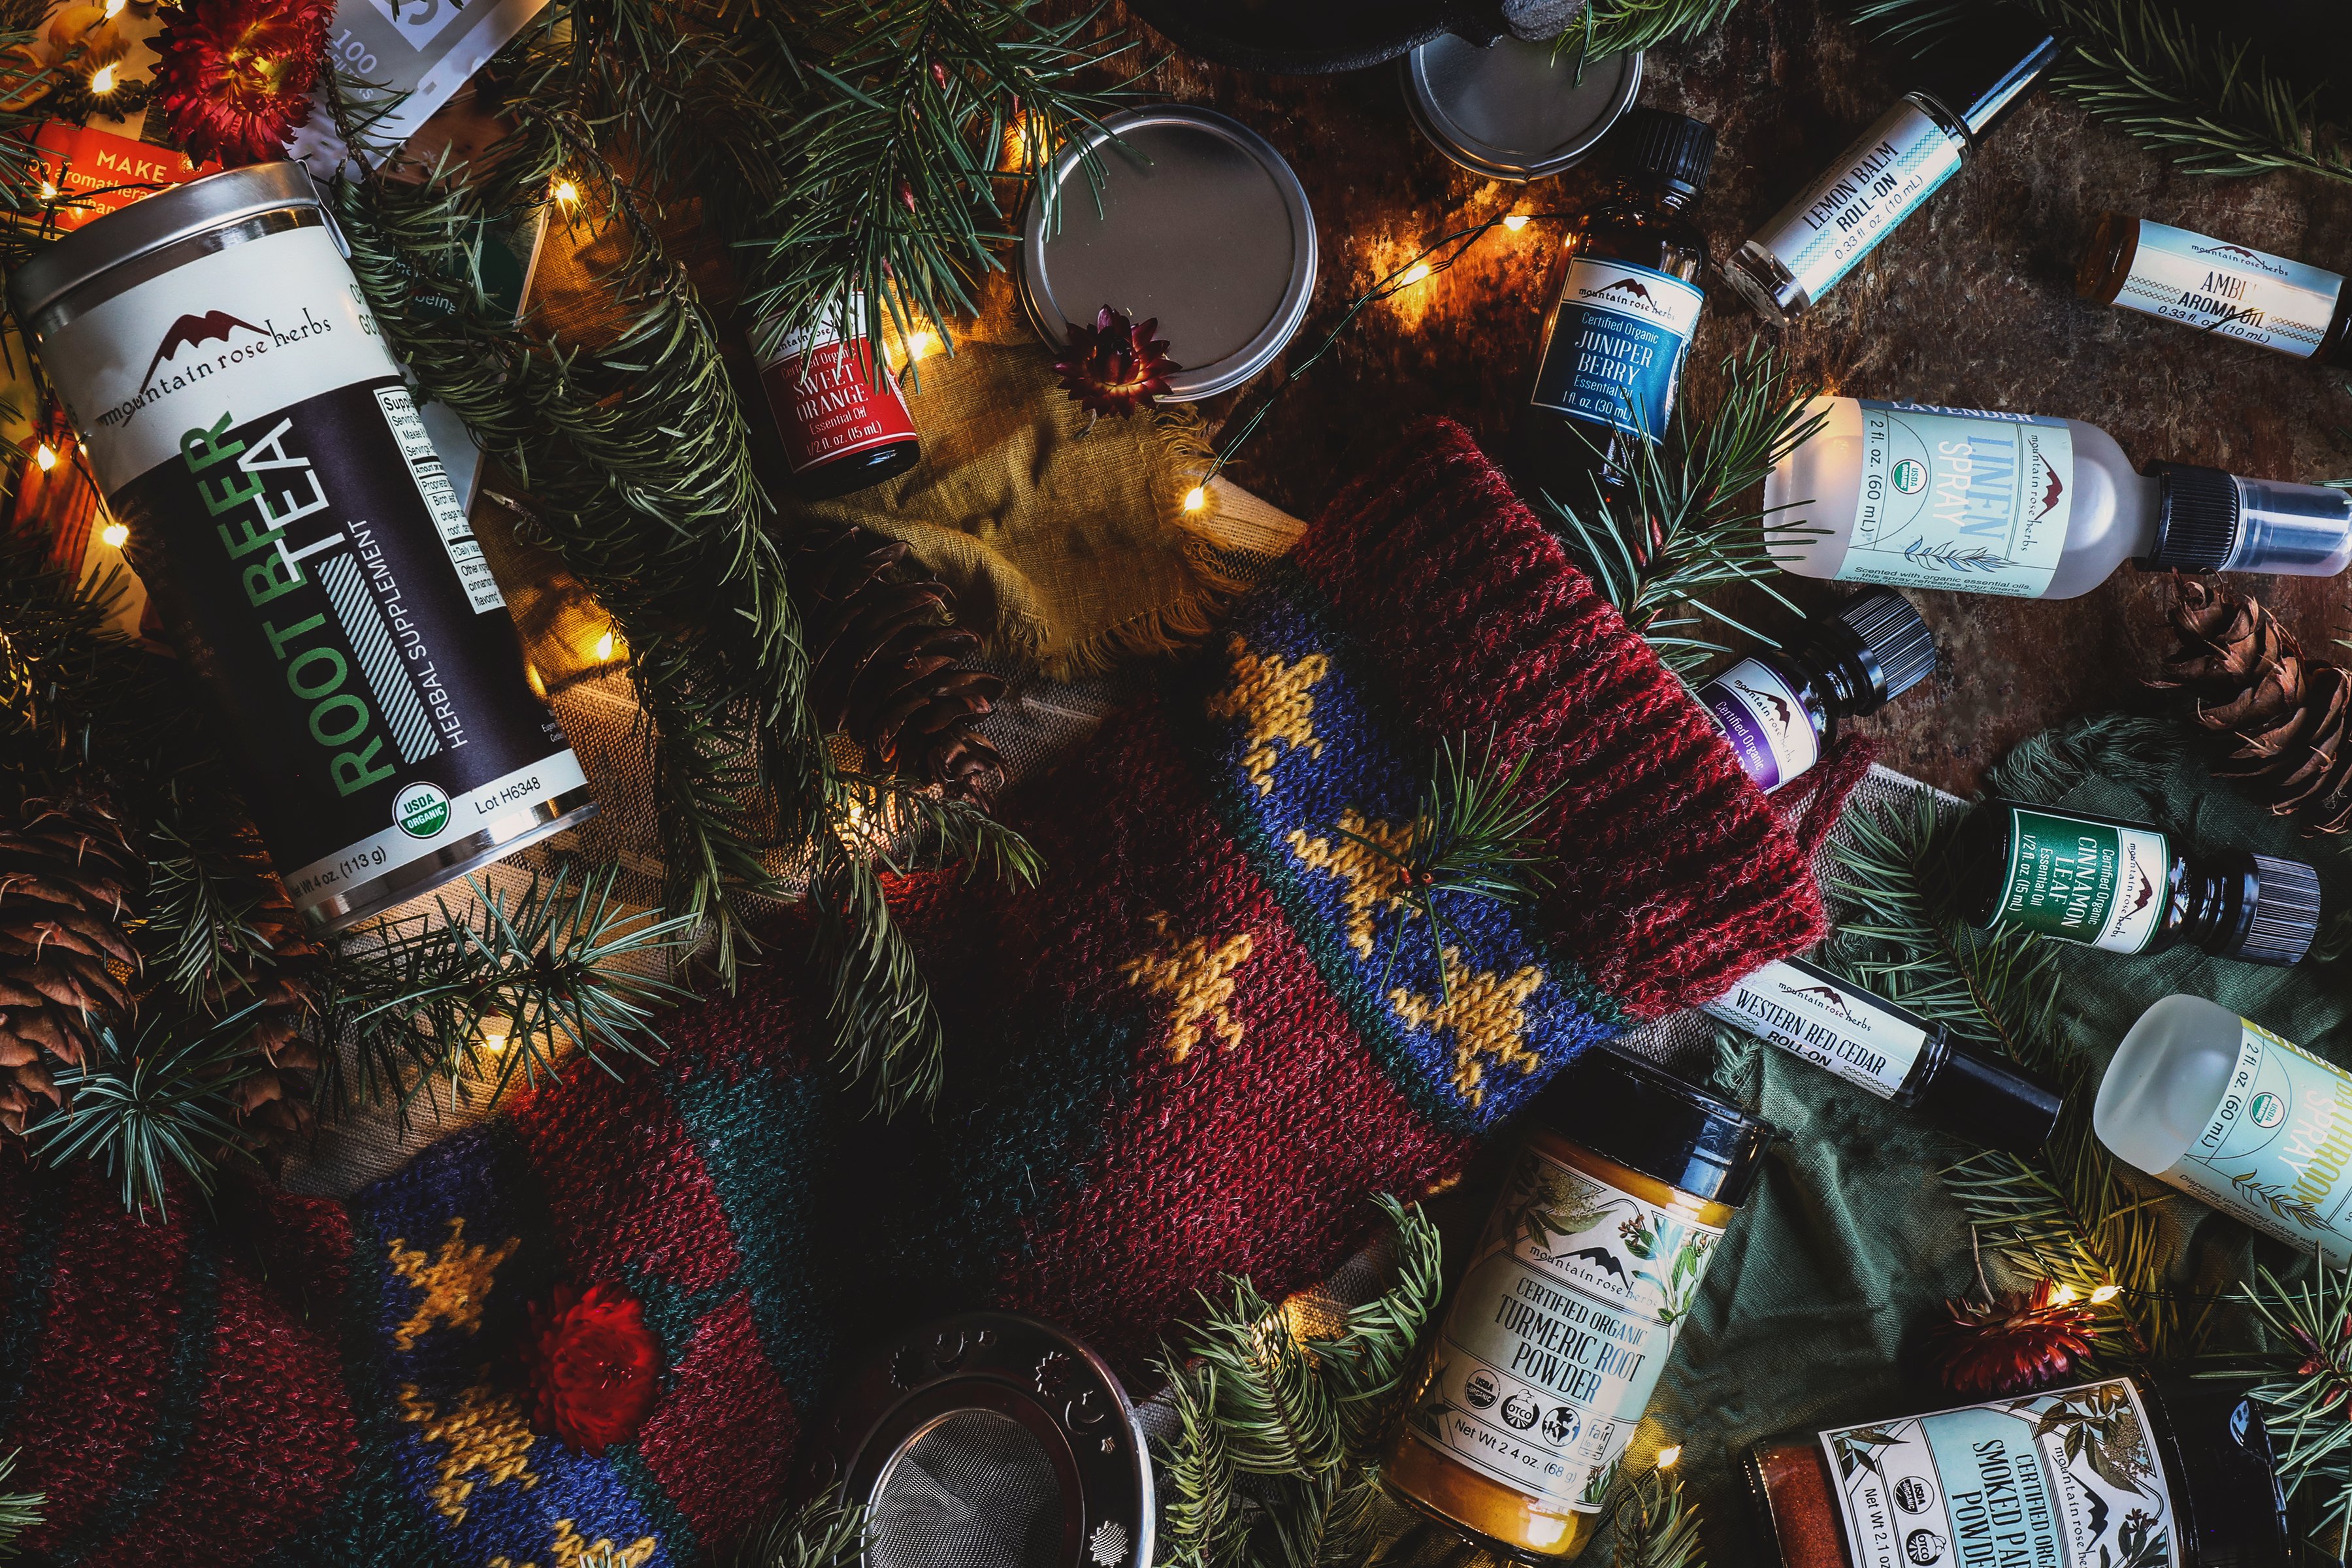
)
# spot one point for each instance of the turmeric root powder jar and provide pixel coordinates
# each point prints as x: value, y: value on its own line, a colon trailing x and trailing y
x: 1555, y: 1336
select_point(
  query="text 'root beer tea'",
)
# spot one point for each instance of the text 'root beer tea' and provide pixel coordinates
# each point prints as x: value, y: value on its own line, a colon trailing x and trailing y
x: 289, y: 515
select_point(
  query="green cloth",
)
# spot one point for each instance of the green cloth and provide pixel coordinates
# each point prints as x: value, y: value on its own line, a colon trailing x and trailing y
x: 1813, y: 1306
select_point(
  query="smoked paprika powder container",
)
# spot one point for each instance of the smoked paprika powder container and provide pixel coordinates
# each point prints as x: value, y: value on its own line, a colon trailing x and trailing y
x: 2103, y: 1475
x: 1592, y: 1257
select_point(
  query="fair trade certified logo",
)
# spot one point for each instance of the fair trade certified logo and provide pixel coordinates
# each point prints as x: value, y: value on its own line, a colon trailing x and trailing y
x: 1910, y: 476
x: 421, y: 810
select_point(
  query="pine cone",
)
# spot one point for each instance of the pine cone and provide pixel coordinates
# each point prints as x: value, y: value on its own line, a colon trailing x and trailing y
x: 2288, y: 713
x: 275, y: 1102
x: 64, y: 962
x: 887, y: 669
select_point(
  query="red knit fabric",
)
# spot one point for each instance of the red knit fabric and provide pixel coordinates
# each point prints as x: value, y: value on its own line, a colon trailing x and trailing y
x: 1674, y: 871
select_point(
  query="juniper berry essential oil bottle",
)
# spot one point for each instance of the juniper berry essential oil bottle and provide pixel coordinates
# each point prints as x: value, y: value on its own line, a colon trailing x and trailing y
x: 1620, y: 325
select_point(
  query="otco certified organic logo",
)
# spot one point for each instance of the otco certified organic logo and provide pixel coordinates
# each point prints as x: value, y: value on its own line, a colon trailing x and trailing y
x: 421, y: 810
x: 1910, y: 476
x: 2266, y: 1109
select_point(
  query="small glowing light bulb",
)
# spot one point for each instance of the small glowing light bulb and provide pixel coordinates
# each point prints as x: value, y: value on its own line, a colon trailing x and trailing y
x: 2064, y: 1297
x: 1196, y: 498
x: 115, y: 535
x: 47, y: 455
x: 1414, y: 274
x: 494, y: 1044
x: 1515, y: 222
x: 101, y: 80
x: 1669, y: 1457
x: 114, y: 8
x: 48, y: 190
x: 2105, y: 1294
x: 565, y: 192
x: 605, y: 647
x: 920, y: 343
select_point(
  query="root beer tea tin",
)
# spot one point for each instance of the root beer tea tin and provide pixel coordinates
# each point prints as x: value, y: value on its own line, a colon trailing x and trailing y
x: 289, y: 515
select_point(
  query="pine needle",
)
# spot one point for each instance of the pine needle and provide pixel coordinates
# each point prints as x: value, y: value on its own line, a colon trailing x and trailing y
x: 19, y: 1512
x: 2214, y: 106
x: 2305, y: 1387
x: 826, y: 1531
x: 1608, y: 28
x: 1688, y: 527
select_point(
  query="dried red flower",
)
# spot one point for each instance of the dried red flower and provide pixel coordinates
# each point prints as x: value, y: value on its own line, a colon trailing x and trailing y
x: 235, y: 75
x: 2020, y: 1341
x: 595, y: 1369
x: 1115, y: 366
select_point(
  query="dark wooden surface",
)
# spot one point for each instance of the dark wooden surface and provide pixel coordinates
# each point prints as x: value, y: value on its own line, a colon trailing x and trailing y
x: 1970, y: 303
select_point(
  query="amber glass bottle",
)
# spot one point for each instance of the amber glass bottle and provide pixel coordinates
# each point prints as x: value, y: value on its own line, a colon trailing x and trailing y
x: 1538, y: 1374
x: 1619, y: 327
x: 2219, y: 288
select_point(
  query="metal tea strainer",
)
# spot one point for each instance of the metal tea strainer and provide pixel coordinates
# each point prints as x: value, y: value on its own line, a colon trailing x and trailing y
x: 991, y: 1441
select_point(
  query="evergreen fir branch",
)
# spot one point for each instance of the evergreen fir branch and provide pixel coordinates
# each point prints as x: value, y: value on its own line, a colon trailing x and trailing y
x: 2121, y: 748
x: 2068, y: 1215
x: 1652, y: 1525
x: 1474, y: 836
x: 2303, y: 1382
x: 1279, y: 1428
x: 1607, y: 27
x: 1687, y: 527
x: 470, y: 1003
x: 826, y: 1531
x: 896, y: 186
x: 2215, y: 107
x: 163, y: 1101
x: 19, y: 1512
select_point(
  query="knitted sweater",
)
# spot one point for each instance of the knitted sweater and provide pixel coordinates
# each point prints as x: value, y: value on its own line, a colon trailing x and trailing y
x: 1173, y: 1060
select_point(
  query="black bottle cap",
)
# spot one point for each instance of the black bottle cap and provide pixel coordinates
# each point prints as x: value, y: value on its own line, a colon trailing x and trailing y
x: 2196, y: 518
x: 1645, y: 1117
x: 1988, y: 68
x: 2212, y: 1439
x: 1992, y: 1100
x: 1889, y: 642
x: 2284, y: 917
x: 1674, y: 148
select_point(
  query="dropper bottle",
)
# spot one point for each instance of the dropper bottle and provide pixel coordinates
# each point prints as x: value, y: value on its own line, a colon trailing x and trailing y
x: 1780, y: 711
x: 1920, y: 496
x: 2104, y: 882
x: 1619, y: 327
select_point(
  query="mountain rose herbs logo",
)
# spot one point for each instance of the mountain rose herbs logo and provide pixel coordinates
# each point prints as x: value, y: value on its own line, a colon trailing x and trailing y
x: 188, y: 332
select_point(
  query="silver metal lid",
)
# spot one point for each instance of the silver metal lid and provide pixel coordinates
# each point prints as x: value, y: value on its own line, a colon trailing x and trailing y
x: 1201, y: 224
x: 214, y: 202
x: 1515, y: 110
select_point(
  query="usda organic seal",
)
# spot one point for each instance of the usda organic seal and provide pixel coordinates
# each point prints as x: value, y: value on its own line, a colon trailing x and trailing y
x: 1910, y: 476
x: 421, y: 810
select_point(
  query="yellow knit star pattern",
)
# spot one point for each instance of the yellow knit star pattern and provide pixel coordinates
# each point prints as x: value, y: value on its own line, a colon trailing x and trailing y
x: 487, y: 1437
x: 1272, y: 693
x: 456, y: 1279
x: 1488, y: 1017
x: 570, y: 1550
x: 1372, y: 877
x: 1197, y: 980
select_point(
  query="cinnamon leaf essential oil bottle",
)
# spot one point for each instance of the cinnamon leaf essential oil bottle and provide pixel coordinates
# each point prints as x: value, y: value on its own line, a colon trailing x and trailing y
x: 2102, y: 882
x: 1920, y: 496
x: 1620, y: 324
x: 1970, y: 84
x: 1535, y: 1378
x: 1779, y: 710
x: 2103, y: 1475
x: 2228, y: 291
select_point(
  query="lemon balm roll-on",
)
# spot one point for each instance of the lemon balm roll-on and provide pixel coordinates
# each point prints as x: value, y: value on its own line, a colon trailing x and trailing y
x: 2121, y: 886
x: 2227, y: 1111
x: 1973, y: 81
x: 1914, y: 495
